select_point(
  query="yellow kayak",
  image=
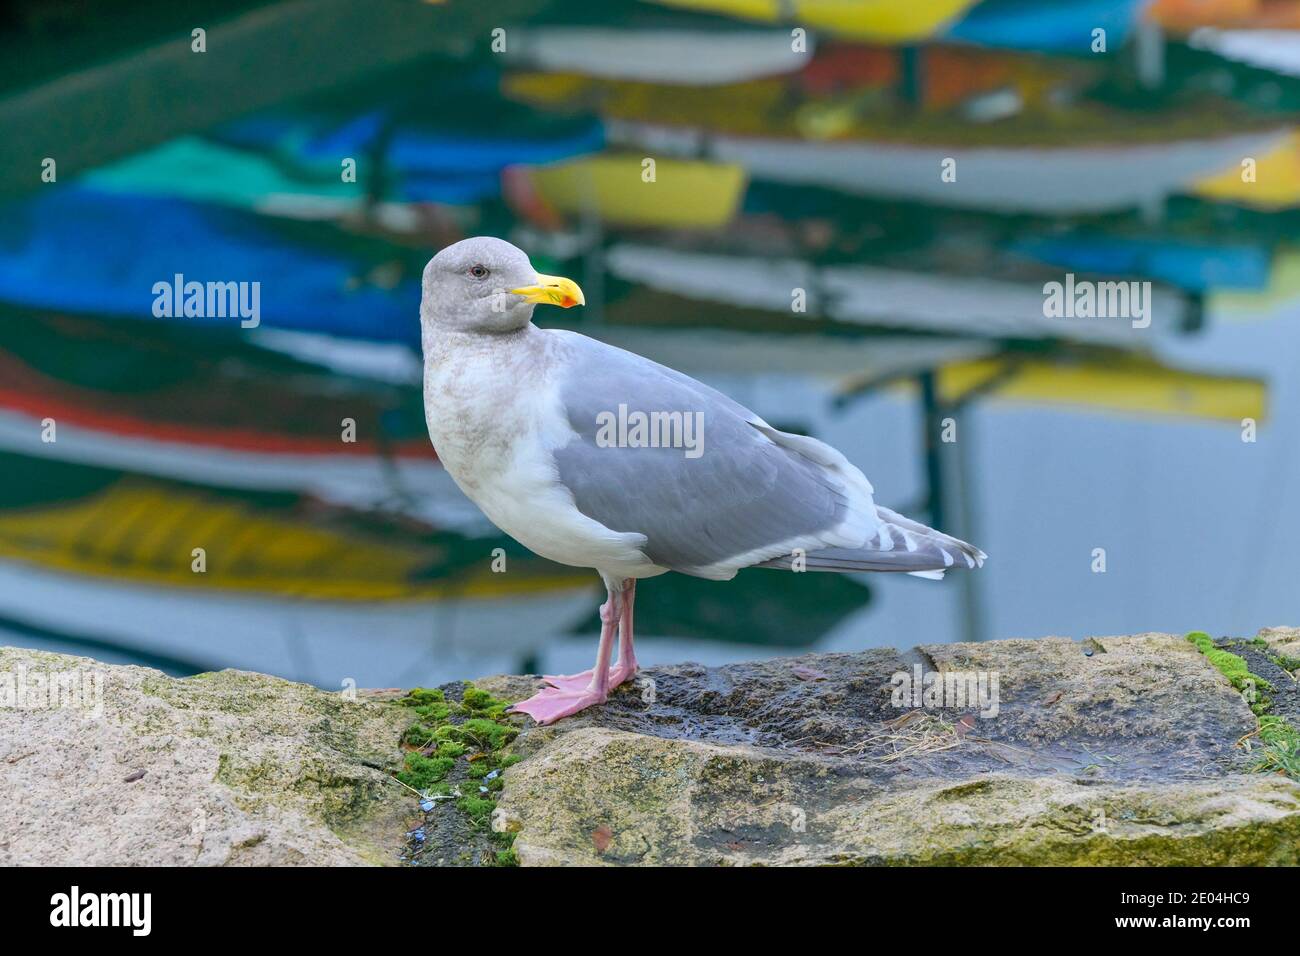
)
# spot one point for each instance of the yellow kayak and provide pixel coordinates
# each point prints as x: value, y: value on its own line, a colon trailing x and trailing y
x: 1276, y: 183
x: 143, y: 532
x: 685, y: 194
x: 880, y: 21
x: 1122, y: 384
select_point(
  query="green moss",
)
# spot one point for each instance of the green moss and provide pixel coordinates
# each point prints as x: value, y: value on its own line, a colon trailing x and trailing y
x: 421, y: 772
x: 1235, y: 669
x: 1281, y: 751
x: 419, y: 696
x: 483, y: 704
x: 506, y: 856
x: 478, y: 809
x: 488, y: 734
x: 470, y: 734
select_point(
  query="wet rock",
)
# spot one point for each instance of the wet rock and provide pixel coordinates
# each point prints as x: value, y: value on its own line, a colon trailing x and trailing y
x: 1129, y: 756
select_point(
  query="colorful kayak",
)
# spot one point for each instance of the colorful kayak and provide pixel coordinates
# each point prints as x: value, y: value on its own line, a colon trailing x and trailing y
x: 685, y: 57
x: 1281, y: 300
x: 879, y: 297
x: 79, y: 250
x: 1062, y: 26
x: 204, y: 171
x: 1274, y: 184
x: 1194, y: 266
x: 455, y: 164
x: 288, y: 586
x: 685, y: 194
x: 1109, y: 159
x: 1110, y: 382
x: 880, y: 21
x: 1004, y: 179
x: 177, y: 407
x: 111, y: 524
x: 1185, y: 16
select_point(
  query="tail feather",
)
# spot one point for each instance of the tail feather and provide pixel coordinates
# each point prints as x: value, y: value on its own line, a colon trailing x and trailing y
x: 900, y: 544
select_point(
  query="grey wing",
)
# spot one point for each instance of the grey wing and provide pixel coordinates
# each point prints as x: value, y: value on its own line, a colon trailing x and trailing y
x: 725, y: 496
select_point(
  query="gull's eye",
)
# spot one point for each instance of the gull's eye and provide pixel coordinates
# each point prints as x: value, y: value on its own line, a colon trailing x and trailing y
x: 478, y: 272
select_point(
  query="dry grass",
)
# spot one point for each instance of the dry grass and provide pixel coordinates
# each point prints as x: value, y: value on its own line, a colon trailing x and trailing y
x: 912, y: 734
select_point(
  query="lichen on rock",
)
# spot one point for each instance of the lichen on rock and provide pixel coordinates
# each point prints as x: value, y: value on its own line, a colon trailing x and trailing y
x: 230, y: 767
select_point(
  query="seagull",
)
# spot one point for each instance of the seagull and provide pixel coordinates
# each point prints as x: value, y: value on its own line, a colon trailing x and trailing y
x: 598, y: 458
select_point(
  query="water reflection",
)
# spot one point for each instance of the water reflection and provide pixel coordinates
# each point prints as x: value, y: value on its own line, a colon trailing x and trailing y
x: 853, y: 230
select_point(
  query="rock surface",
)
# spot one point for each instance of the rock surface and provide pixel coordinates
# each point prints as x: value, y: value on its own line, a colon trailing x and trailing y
x: 1117, y: 750
x: 227, y: 768
x: 1283, y: 640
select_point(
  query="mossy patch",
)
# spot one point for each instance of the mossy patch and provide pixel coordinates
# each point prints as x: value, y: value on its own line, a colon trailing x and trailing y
x: 456, y: 755
x: 1281, y: 741
x: 1234, y: 667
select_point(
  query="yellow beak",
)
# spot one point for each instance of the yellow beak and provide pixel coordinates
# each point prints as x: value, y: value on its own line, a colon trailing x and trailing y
x: 552, y: 290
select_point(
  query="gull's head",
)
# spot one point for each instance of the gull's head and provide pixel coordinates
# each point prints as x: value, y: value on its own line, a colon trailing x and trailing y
x: 487, y: 285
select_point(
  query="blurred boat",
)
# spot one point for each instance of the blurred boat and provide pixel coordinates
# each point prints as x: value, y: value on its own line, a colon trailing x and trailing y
x: 74, y: 249
x: 714, y: 346
x: 685, y: 194
x: 883, y: 297
x: 1280, y: 301
x: 1090, y: 158
x: 1275, y: 50
x: 1192, y: 266
x: 100, y: 552
x: 138, y: 529
x: 400, y: 154
x: 177, y: 405
x: 1275, y: 183
x: 947, y: 75
x: 687, y: 57
x: 1184, y: 16
x: 201, y: 170
x: 290, y: 163
x: 1108, y: 381
x: 883, y: 21
x: 1062, y: 26
x: 1041, y: 180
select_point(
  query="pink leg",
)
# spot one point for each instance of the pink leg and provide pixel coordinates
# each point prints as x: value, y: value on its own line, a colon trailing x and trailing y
x: 627, y: 666
x: 551, y: 703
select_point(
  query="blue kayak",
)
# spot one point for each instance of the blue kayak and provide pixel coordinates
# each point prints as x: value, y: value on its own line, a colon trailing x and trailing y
x: 75, y: 249
x: 1196, y: 267
x: 426, y: 164
x: 1062, y: 26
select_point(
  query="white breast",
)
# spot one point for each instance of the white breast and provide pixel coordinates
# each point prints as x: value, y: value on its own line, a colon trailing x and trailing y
x: 494, y: 414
